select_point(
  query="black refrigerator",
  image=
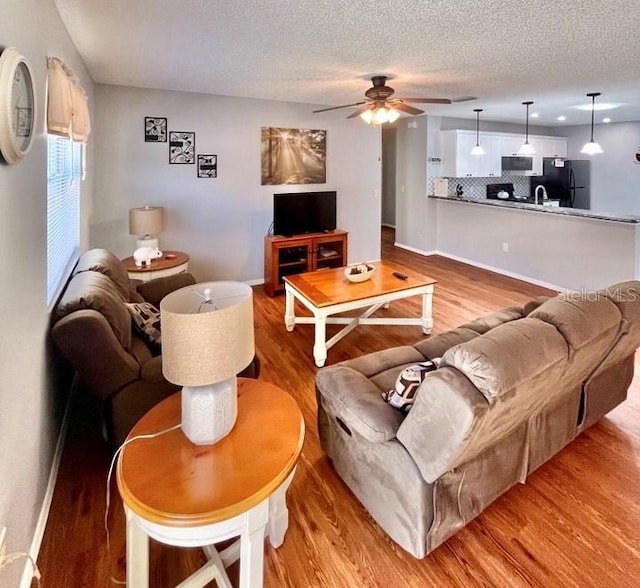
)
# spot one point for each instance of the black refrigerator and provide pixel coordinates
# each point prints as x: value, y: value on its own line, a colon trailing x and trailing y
x: 566, y: 180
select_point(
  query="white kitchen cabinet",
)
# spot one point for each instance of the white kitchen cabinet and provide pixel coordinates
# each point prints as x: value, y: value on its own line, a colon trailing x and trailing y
x: 546, y: 147
x: 509, y: 145
x: 455, y: 148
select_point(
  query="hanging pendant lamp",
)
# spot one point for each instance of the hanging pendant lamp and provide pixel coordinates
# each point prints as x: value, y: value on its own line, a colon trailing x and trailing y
x: 591, y: 147
x: 526, y: 148
x: 477, y: 149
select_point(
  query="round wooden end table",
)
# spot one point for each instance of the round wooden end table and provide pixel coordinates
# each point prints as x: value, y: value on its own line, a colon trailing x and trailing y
x: 197, y: 495
x: 171, y: 262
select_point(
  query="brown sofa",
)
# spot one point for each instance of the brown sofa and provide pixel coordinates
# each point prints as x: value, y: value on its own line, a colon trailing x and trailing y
x: 512, y: 389
x: 92, y: 328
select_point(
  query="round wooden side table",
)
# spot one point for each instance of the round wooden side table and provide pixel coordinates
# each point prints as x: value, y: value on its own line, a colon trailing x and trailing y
x: 171, y: 262
x: 197, y: 495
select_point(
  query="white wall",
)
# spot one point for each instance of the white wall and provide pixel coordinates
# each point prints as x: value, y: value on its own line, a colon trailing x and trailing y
x: 221, y: 223
x: 415, y: 220
x: 615, y: 178
x: 30, y: 408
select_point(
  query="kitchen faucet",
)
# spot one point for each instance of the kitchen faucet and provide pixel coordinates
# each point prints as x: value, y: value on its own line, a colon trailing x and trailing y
x: 544, y: 193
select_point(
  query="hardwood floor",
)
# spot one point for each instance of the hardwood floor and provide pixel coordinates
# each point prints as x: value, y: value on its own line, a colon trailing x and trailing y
x: 576, y: 522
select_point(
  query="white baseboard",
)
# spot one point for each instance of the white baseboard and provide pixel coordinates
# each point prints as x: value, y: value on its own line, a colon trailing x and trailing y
x: 498, y: 270
x: 414, y: 250
x: 41, y: 525
x: 491, y: 268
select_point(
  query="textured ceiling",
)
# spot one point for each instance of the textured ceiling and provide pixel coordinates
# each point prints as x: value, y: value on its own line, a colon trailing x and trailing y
x: 324, y: 52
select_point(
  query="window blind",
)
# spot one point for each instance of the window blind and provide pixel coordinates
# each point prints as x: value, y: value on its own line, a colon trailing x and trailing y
x: 64, y: 172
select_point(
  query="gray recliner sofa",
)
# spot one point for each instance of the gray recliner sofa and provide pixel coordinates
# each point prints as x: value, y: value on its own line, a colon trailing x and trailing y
x: 512, y: 390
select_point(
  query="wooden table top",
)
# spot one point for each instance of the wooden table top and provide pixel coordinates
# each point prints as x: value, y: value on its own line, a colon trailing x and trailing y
x: 171, y: 481
x: 331, y: 286
x: 168, y: 260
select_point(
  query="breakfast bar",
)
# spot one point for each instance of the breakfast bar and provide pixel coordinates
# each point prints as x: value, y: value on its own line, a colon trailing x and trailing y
x: 560, y: 248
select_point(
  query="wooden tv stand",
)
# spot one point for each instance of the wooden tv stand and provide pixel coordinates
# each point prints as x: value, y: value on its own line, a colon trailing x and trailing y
x: 285, y: 256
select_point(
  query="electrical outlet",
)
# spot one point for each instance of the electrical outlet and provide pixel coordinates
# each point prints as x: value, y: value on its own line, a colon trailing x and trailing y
x: 505, y: 247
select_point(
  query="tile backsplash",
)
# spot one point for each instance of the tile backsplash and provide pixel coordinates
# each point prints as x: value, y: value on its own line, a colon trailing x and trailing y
x: 477, y: 187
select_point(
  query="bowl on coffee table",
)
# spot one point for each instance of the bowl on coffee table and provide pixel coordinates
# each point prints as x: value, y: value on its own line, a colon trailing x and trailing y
x: 359, y: 272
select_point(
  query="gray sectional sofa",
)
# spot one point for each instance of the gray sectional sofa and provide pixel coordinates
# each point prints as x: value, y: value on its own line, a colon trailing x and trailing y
x: 512, y: 390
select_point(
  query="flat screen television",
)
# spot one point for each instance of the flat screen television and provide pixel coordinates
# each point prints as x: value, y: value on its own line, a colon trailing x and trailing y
x: 297, y: 213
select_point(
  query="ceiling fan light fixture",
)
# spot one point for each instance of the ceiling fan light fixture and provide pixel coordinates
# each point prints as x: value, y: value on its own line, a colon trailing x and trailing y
x: 380, y: 115
x: 394, y: 115
x: 367, y: 116
x: 591, y: 147
x: 526, y: 148
x: 477, y: 149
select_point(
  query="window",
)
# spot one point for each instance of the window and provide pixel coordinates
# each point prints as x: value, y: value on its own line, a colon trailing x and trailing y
x: 69, y: 126
x: 63, y: 210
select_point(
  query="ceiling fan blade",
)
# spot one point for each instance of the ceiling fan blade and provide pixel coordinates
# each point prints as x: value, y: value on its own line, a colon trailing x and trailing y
x: 367, y: 106
x: 337, y: 107
x: 464, y: 98
x: 427, y: 100
x: 405, y: 107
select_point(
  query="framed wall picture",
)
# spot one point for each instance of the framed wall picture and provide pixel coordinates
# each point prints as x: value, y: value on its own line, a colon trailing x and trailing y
x: 182, y: 147
x: 155, y: 129
x: 207, y: 166
x: 293, y: 156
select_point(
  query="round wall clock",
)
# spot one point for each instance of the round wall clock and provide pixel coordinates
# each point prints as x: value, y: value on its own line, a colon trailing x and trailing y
x: 17, y: 105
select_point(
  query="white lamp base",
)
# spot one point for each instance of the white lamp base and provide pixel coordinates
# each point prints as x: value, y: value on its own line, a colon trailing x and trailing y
x: 209, y: 412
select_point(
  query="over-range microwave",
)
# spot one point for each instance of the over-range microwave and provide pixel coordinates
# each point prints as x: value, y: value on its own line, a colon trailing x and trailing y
x: 517, y: 163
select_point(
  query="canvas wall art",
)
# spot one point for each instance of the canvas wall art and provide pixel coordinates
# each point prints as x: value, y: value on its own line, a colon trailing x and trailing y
x: 293, y: 156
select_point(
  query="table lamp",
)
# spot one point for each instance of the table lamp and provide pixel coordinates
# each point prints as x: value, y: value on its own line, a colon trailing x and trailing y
x: 207, y: 338
x: 146, y: 222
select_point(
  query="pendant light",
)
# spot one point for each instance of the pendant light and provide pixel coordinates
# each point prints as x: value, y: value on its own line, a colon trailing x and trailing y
x: 477, y: 150
x: 591, y: 147
x: 527, y: 148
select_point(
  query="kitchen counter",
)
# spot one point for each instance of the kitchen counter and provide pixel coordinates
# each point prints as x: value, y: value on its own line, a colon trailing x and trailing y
x: 559, y: 248
x: 524, y: 205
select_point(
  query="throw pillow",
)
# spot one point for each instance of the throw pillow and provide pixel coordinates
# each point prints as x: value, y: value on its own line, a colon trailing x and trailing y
x: 146, y: 319
x: 403, y: 394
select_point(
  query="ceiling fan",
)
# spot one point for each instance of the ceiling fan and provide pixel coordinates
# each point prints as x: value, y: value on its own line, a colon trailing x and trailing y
x: 379, y: 107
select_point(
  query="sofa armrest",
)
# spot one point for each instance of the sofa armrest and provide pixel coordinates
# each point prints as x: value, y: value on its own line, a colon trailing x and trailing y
x: 151, y: 370
x: 356, y: 401
x: 445, y: 416
x: 154, y: 291
x: 88, y: 343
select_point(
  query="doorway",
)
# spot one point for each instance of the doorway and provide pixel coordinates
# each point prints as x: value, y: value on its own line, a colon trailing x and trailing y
x: 388, y: 199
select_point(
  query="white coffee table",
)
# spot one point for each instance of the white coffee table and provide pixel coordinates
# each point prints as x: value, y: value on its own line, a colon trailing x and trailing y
x: 328, y: 292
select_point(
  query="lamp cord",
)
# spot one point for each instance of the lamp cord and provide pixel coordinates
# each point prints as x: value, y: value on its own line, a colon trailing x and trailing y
x: 113, y: 579
x: 593, y: 110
